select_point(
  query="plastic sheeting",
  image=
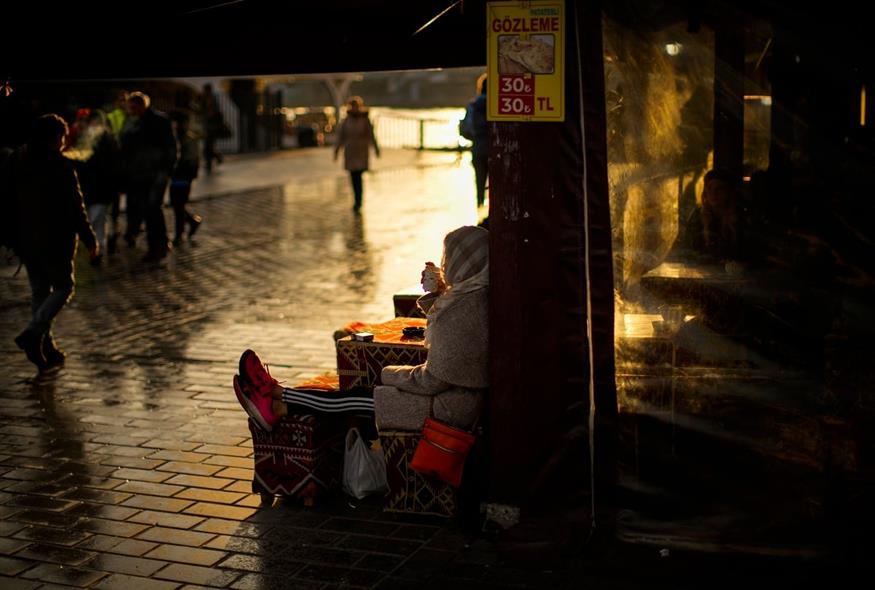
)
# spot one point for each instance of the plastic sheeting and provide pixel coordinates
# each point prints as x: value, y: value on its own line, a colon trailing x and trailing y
x: 743, y: 302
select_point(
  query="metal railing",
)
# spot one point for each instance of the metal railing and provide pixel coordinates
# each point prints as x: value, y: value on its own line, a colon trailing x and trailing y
x: 395, y: 131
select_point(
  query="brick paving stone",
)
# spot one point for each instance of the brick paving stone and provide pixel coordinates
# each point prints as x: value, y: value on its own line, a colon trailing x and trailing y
x: 10, y: 566
x: 102, y: 511
x: 238, y: 544
x: 362, y: 527
x: 262, y: 582
x: 262, y: 564
x: 204, y: 557
x: 165, y: 519
x: 47, y: 488
x: 8, y: 529
x: 197, y: 481
x: 117, y: 439
x: 178, y: 456
x: 17, y: 584
x: 191, y: 468
x: 197, y: 575
x: 378, y: 545
x: 229, y: 461
x: 157, y: 503
x: 89, y: 495
x: 272, y: 543
x: 103, y: 543
x: 236, y: 473
x: 380, y: 563
x: 70, y: 576
x: 124, y: 564
x: 233, y: 527
x: 425, y: 563
x: 395, y: 584
x: 339, y: 575
x: 6, y: 511
x: 68, y: 537
x: 211, y: 496
x: 47, y: 518
x: 323, y: 555
x: 132, y: 462
x: 111, y: 527
x: 250, y: 500
x: 149, y: 475
x: 118, y: 451
x: 176, y: 536
x: 242, y: 451
x: 220, y: 511
x: 101, y: 483
x: 172, y: 444
x: 54, y: 554
x: 416, y: 533
x: 133, y: 547
x: 29, y: 474
x: 241, y: 486
x: 153, y: 489
x: 125, y: 582
x: 223, y: 438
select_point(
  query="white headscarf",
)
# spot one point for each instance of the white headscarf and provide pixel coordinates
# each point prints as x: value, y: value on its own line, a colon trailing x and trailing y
x: 465, y: 264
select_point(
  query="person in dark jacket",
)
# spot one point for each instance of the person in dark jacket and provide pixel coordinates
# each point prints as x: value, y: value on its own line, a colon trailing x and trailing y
x: 50, y: 214
x: 185, y: 172
x: 149, y: 154
x: 99, y: 177
x: 475, y: 128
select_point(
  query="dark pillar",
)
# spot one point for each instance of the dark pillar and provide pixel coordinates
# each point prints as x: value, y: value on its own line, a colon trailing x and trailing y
x: 546, y: 181
x: 243, y: 94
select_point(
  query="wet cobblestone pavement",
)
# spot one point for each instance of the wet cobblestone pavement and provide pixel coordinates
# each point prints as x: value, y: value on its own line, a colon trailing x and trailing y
x: 131, y: 466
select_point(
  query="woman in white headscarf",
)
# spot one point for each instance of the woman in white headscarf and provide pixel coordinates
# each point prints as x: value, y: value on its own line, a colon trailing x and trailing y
x: 452, y: 383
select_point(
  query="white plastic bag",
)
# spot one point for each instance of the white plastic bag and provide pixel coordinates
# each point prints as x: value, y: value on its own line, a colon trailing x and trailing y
x: 364, y: 469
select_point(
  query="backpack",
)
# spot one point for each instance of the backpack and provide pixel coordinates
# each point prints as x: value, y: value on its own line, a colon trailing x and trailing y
x: 466, y: 125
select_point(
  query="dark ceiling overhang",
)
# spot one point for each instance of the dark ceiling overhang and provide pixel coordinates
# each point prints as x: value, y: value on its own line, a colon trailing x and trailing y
x: 187, y: 38
x: 182, y: 38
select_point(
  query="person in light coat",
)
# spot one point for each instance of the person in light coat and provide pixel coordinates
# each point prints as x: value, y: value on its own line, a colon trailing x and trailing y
x: 355, y: 137
x: 451, y: 385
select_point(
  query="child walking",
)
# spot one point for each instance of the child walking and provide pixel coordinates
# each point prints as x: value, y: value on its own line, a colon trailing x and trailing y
x: 185, y: 172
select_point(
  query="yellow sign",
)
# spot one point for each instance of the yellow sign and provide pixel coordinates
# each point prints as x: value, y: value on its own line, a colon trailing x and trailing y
x: 526, y: 56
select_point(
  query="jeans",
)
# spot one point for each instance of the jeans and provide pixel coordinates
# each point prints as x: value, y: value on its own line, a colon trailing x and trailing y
x: 97, y: 215
x: 145, y: 202
x: 179, y: 192
x: 51, y: 287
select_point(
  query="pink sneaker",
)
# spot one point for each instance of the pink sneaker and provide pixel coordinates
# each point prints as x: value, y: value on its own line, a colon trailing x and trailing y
x: 257, y: 406
x: 254, y: 374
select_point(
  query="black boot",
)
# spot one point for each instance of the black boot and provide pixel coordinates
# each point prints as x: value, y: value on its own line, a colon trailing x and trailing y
x: 194, y: 222
x: 31, y: 343
x: 51, y: 352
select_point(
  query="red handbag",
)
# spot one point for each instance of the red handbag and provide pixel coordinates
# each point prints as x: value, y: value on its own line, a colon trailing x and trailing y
x: 441, y: 452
